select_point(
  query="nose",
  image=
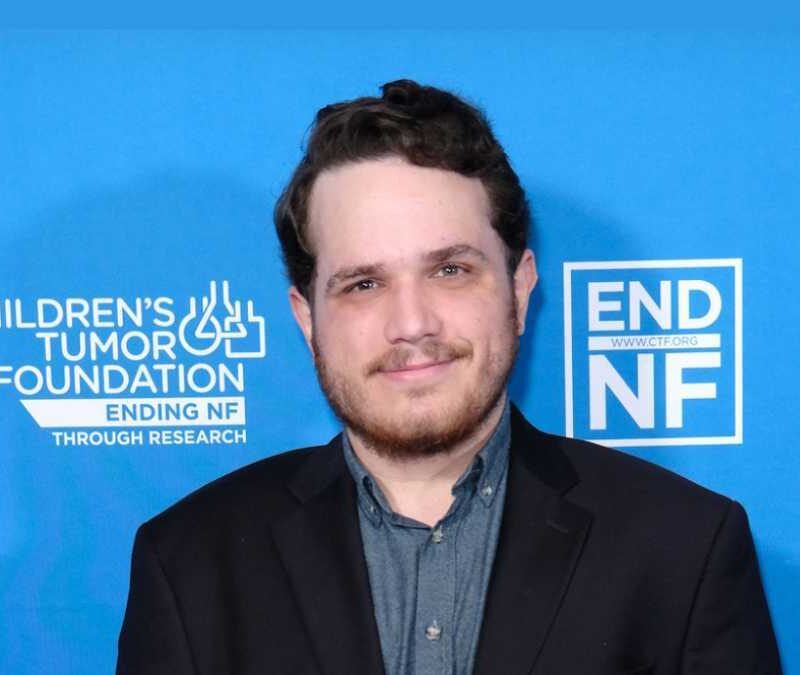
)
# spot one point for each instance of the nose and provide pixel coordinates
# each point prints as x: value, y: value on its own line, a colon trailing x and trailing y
x: 411, y: 316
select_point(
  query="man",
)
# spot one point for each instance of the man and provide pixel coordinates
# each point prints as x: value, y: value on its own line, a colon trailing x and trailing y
x: 441, y: 532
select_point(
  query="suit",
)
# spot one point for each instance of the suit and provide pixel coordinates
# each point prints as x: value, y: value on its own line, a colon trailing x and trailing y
x: 605, y: 564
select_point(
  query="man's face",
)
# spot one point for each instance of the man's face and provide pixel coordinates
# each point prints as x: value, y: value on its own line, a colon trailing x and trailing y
x: 414, y: 320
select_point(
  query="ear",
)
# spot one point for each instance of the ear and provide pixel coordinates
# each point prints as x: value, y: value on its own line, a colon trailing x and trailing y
x: 301, y: 309
x: 525, y: 279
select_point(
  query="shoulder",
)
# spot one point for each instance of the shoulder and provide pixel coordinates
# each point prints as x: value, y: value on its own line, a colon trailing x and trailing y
x: 634, y: 497
x: 603, y: 468
x: 621, y: 491
x: 597, y: 474
x: 251, y: 497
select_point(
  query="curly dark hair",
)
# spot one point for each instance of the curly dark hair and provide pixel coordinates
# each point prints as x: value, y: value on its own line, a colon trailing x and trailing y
x: 428, y: 127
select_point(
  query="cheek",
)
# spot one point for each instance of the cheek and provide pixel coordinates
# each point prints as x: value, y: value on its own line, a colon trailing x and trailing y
x: 482, y: 314
x: 345, y: 333
x: 492, y: 325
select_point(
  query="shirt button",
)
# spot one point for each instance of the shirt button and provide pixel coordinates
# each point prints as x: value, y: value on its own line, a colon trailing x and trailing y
x: 433, y: 632
x: 437, y: 535
x: 486, y: 491
x: 372, y: 508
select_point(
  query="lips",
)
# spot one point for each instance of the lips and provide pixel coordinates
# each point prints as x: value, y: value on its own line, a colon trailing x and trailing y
x: 417, y: 373
x: 413, y: 367
x: 428, y: 357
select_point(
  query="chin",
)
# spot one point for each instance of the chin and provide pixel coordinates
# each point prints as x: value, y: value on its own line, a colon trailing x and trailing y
x: 419, y: 430
x: 421, y: 419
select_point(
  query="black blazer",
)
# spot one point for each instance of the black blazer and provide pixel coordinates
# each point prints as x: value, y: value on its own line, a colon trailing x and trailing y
x: 606, y: 564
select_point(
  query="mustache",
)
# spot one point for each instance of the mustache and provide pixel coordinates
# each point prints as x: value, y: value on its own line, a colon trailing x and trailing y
x: 399, y: 357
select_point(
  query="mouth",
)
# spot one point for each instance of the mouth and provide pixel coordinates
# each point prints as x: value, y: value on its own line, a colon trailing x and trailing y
x: 417, y: 371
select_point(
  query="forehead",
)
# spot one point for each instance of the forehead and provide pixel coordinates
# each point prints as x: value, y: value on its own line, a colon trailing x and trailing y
x: 387, y: 209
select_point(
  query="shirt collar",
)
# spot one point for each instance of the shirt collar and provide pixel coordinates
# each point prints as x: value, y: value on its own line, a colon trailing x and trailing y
x: 483, y: 475
x: 493, y: 458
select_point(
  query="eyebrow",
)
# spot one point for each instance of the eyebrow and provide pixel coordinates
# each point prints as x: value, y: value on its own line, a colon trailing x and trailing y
x: 456, y: 251
x: 347, y: 273
x: 436, y: 256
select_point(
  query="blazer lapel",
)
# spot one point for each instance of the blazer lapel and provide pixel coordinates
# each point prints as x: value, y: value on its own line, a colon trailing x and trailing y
x: 541, y: 539
x: 320, y: 546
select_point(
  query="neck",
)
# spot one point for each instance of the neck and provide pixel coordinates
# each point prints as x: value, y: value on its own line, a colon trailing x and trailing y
x: 421, y: 487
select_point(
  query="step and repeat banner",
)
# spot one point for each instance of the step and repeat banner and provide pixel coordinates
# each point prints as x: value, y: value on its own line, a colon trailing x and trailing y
x: 146, y: 343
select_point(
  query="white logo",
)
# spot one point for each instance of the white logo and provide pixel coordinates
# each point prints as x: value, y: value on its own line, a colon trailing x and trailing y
x: 129, y: 363
x: 208, y: 329
x: 653, y: 351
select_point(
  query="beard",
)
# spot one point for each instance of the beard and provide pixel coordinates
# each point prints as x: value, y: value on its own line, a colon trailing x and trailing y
x: 410, y: 428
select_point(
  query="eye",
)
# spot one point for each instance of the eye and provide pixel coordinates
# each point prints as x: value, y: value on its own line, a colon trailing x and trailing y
x: 450, y: 270
x: 361, y: 285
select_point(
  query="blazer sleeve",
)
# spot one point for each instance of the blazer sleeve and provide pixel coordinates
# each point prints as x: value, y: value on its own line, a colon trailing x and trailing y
x: 730, y: 631
x: 153, y: 639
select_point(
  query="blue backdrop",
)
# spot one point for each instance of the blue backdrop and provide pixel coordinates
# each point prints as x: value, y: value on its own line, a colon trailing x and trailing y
x: 138, y: 168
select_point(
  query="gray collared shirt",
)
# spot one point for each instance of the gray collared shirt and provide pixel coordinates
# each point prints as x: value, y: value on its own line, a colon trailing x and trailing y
x: 429, y: 583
